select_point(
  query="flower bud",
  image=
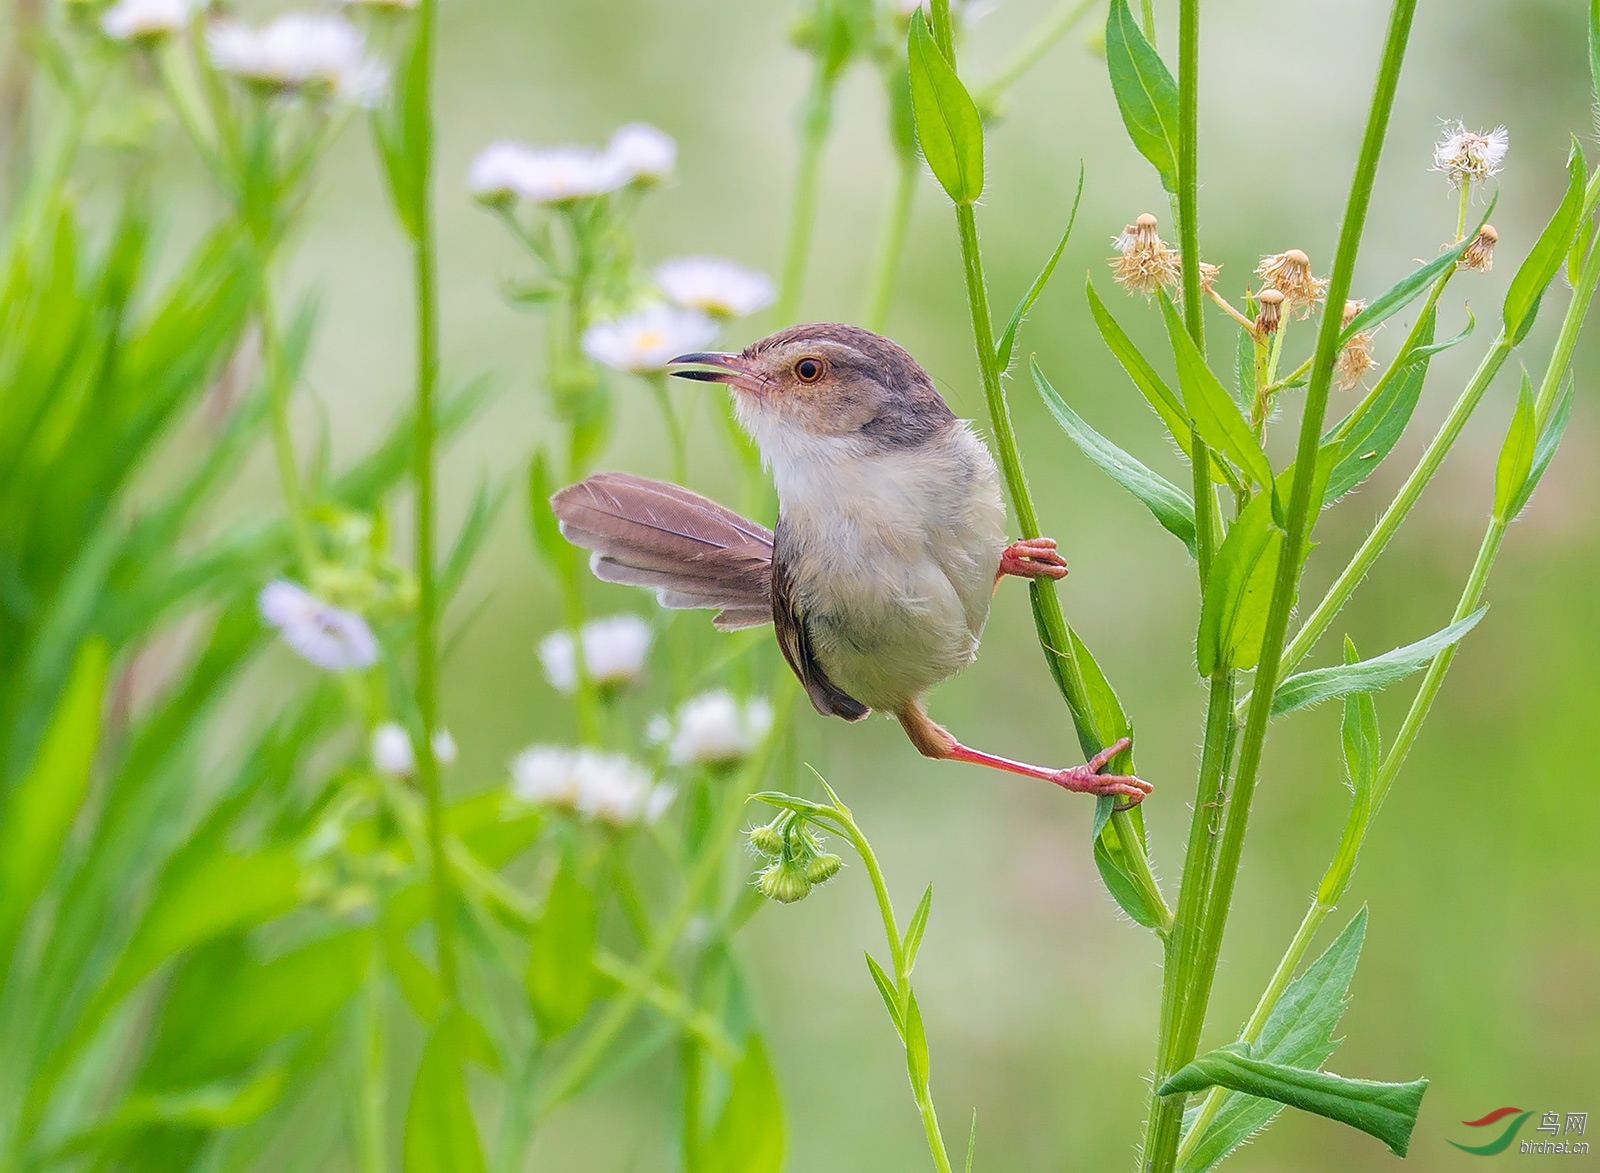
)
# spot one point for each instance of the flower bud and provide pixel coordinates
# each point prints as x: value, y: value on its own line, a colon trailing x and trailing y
x: 1479, y: 255
x: 1271, y: 313
x: 823, y: 868
x: 785, y: 882
x: 766, y: 840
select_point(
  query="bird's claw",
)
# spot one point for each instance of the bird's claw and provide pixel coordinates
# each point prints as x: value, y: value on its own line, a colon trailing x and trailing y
x: 1032, y: 558
x: 1087, y: 779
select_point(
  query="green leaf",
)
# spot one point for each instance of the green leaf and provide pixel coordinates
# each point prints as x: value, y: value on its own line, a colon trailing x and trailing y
x: 1544, y: 260
x: 42, y: 805
x: 1594, y: 49
x: 1387, y: 1111
x: 1215, y: 413
x: 1516, y: 454
x: 561, y: 976
x: 1322, y: 684
x: 1146, y: 94
x: 1545, y: 450
x: 1358, y: 733
x: 1171, y: 506
x: 1233, y: 614
x: 949, y: 128
x: 440, y: 1135
x: 918, y: 926
x: 1379, y: 428
x: 917, y: 1065
x: 213, y: 1106
x: 886, y: 991
x: 404, y: 134
x: 1298, y: 1033
x: 547, y: 539
x: 1008, y: 336
x: 1156, y: 392
x: 1406, y: 290
x: 748, y: 1136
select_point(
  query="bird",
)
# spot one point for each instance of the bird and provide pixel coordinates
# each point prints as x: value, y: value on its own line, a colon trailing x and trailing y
x: 889, y: 543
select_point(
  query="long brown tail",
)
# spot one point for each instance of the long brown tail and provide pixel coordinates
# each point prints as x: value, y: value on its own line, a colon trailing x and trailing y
x: 688, y: 549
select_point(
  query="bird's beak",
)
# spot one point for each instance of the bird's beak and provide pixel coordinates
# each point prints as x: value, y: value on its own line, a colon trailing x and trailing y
x: 709, y: 366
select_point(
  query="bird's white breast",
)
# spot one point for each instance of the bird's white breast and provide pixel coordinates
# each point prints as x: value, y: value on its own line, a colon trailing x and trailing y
x: 893, y: 550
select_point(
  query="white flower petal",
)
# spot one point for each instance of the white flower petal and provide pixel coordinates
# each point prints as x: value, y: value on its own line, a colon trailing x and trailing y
x: 391, y: 750
x: 130, y: 20
x: 321, y: 633
x: 646, y: 341
x: 300, y: 50
x: 642, y: 151
x: 715, y: 729
x: 720, y: 288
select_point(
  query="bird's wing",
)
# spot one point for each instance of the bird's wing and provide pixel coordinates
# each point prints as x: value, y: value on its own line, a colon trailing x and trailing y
x: 688, y: 549
x: 794, y: 640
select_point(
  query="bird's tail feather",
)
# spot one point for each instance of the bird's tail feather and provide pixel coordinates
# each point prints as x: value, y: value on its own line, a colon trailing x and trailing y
x: 691, y: 551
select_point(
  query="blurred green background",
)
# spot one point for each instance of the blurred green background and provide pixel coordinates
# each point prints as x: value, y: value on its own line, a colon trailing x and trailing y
x: 1482, y: 965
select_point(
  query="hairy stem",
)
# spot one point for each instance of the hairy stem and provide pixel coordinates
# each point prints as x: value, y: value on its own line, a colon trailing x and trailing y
x: 1166, y: 1118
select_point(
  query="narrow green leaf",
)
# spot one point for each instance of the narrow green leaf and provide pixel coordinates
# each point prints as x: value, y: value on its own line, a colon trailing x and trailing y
x: 1544, y: 260
x: 1545, y: 450
x: 1322, y: 684
x: 1594, y: 49
x: 916, y: 1037
x: 1008, y: 336
x: 1358, y: 733
x: 555, y: 550
x: 972, y: 1140
x: 41, y: 807
x: 1171, y: 506
x: 1233, y: 614
x: 561, y: 977
x: 918, y: 926
x: 1244, y: 368
x: 1516, y: 454
x: 210, y: 1107
x: 1298, y: 1033
x: 949, y: 127
x: 1156, y: 392
x: 886, y: 991
x: 1406, y: 290
x: 1387, y: 1111
x: 1216, y: 416
x: 748, y: 1136
x: 1427, y: 352
x: 1146, y: 94
x: 1380, y: 426
x: 440, y: 1135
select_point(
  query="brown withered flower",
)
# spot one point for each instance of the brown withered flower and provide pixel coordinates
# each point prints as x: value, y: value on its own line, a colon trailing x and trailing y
x: 1479, y: 255
x: 1144, y: 263
x: 1271, y: 312
x: 1290, y: 274
x: 1355, y: 360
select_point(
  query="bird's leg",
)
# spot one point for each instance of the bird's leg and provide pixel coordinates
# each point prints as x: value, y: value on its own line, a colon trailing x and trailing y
x: 1031, y: 558
x: 935, y: 741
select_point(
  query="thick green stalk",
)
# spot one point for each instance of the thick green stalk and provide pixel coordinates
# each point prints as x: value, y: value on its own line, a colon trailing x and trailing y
x: 427, y: 285
x: 891, y: 242
x: 1160, y: 1156
x: 816, y: 120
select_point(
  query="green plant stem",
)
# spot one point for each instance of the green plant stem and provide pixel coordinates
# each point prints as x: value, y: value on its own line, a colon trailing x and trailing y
x: 1052, y: 623
x: 891, y: 242
x: 676, y: 439
x: 1167, y: 1112
x: 581, y: 1061
x: 1399, y: 363
x: 1044, y: 38
x: 921, y: 1091
x: 816, y: 121
x: 424, y: 475
x: 278, y: 392
x: 373, y: 1067
x: 1147, y: 9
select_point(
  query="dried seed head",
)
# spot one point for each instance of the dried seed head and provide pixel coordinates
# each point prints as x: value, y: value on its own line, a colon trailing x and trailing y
x: 1143, y: 262
x: 1466, y: 156
x: 1290, y: 274
x: 1271, y: 312
x: 1479, y: 255
x: 1208, y: 275
x: 1355, y: 360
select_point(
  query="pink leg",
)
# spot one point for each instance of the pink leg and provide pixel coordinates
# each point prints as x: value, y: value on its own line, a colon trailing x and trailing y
x: 1084, y: 779
x: 1032, y: 558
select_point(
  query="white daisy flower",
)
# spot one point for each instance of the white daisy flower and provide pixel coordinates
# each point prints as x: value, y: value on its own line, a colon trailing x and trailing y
x: 300, y: 51
x: 714, y: 729
x: 444, y: 747
x: 715, y: 286
x: 391, y: 750
x: 147, y: 20
x: 614, y: 649
x: 380, y: 4
x: 1469, y: 157
x: 321, y: 633
x: 545, y: 175
x: 645, y: 341
x: 608, y: 787
x: 644, y: 152
x: 502, y: 170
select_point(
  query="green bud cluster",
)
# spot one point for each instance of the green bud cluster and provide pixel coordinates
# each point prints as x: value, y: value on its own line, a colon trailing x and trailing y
x: 799, y: 860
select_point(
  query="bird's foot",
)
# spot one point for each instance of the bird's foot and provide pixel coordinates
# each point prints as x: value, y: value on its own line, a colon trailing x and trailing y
x: 1032, y: 558
x: 1087, y: 779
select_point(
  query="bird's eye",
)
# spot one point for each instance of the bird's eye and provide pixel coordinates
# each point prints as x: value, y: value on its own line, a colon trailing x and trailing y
x: 808, y: 370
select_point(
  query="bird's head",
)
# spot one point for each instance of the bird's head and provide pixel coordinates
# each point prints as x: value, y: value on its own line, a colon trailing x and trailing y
x: 827, y: 381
